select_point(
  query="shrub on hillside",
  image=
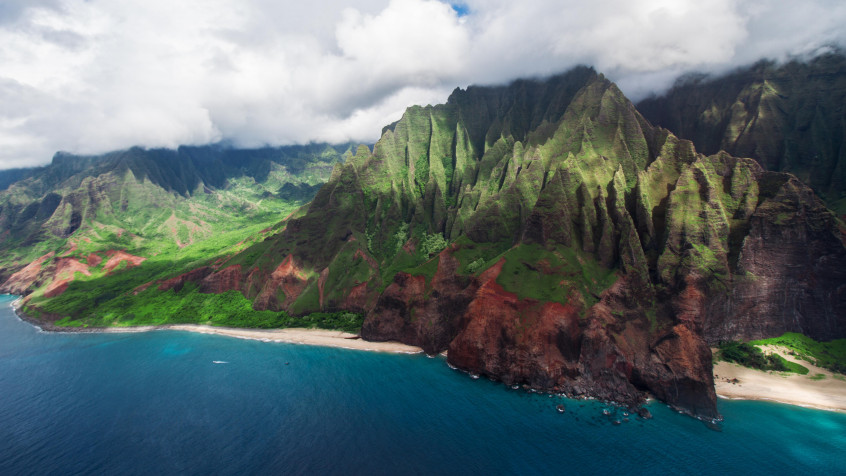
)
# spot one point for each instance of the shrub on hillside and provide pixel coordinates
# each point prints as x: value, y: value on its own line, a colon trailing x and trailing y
x: 750, y: 356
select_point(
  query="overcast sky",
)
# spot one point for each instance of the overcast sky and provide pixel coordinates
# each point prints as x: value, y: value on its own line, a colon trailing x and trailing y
x: 89, y: 76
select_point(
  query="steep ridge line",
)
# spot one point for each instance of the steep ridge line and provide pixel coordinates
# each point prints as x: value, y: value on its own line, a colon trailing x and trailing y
x: 660, y: 250
x: 545, y: 233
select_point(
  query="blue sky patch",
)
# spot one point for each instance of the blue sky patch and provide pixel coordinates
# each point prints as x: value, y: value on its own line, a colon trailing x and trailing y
x: 461, y: 9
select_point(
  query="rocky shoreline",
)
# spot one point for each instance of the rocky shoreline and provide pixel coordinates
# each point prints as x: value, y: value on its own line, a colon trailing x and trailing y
x: 748, y: 384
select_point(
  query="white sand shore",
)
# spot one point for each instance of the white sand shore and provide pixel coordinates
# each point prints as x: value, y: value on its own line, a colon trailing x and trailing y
x: 737, y: 382
x: 324, y: 338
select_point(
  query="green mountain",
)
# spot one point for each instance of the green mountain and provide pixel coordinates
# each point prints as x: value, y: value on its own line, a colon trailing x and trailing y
x: 789, y: 117
x: 546, y: 233
x: 82, y: 217
x: 543, y: 233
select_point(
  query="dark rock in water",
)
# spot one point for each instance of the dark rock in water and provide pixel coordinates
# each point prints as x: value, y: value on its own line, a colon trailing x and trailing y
x: 560, y: 408
x: 644, y: 413
x: 713, y: 425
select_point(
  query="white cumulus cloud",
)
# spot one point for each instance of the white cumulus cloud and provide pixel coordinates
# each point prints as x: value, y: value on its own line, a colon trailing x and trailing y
x: 88, y: 76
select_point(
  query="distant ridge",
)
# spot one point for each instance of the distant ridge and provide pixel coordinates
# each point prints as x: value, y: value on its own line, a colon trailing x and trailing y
x: 789, y: 117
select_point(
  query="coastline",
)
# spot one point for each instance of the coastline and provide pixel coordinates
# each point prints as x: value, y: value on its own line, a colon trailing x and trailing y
x: 735, y: 382
x: 318, y: 337
x: 731, y: 381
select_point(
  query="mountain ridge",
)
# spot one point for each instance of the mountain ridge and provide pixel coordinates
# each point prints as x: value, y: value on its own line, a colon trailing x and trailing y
x: 543, y: 233
x: 789, y: 116
x: 148, y: 201
x: 673, y: 237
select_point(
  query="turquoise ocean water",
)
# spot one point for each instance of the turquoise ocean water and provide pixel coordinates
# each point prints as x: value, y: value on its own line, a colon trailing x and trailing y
x: 157, y: 403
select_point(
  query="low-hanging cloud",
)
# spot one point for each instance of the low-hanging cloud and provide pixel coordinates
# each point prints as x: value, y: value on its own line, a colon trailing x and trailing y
x: 88, y: 76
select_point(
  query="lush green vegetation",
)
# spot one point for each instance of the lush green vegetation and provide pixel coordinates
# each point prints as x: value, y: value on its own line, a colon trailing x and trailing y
x: 475, y: 257
x: 531, y: 271
x: 188, y: 306
x: 149, y: 202
x: 113, y: 298
x: 828, y: 355
x: 219, y: 203
x: 751, y: 356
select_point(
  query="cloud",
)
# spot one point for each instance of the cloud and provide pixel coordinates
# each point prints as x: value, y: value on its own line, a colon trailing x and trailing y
x: 88, y: 76
x: 12, y: 10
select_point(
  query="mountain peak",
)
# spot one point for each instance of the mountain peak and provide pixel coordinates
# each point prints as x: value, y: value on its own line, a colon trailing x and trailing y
x: 470, y: 223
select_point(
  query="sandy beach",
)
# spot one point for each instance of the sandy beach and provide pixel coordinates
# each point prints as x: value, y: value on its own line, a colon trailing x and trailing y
x: 320, y: 337
x: 826, y: 393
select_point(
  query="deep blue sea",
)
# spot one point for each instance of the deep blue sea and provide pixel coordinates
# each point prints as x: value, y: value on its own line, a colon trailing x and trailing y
x: 157, y: 403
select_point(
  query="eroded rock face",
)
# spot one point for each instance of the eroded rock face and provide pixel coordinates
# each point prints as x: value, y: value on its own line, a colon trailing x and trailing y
x: 21, y: 281
x: 681, y: 372
x: 790, y: 274
x: 228, y: 278
x: 63, y: 273
x: 517, y: 340
x: 116, y: 257
x: 286, y: 282
x: 610, y: 351
x: 178, y: 282
x: 421, y: 312
x: 57, y: 273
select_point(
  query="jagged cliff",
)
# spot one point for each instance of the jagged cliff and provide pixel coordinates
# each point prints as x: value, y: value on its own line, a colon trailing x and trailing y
x: 546, y: 233
x: 789, y: 117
